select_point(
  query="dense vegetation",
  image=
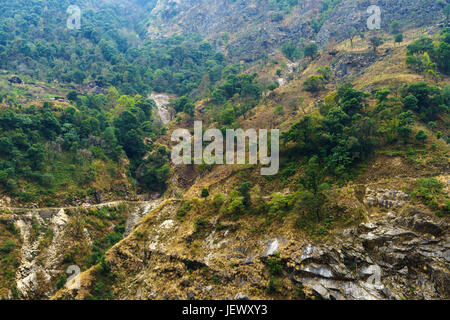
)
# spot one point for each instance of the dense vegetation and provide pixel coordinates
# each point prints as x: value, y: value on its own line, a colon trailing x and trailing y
x: 34, y: 40
x: 45, y: 148
x: 427, y: 57
x: 334, y: 142
x: 347, y: 130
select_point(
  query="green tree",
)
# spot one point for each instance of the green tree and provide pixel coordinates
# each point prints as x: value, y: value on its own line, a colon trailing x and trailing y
x: 291, y: 51
x: 205, y: 193
x: 398, y: 38
x: 244, y: 190
x: 421, y: 136
x: 311, y: 50
x: 447, y: 11
x: 314, y: 83
x: 375, y: 42
x: 394, y: 27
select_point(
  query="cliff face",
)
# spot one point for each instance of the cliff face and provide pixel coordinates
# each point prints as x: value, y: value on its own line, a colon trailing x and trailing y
x: 354, y: 14
x: 249, y: 26
x: 255, y: 27
x: 52, y: 240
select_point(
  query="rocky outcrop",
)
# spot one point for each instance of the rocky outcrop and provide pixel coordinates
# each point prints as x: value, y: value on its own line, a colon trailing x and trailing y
x: 253, y: 31
x: 249, y: 24
x: 48, y: 235
x: 350, y: 16
x: 386, y: 198
x: 351, y: 64
x: 162, y: 104
x: 393, y: 258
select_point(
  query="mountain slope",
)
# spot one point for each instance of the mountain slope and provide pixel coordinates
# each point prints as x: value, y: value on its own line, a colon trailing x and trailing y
x: 246, y: 30
x: 358, y: 210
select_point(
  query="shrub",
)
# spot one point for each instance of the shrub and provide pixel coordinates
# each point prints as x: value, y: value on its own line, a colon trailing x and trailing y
x: 205, y: 193
x: 311, y: 50
x: 61, y: 282
x: 184, y: 210
x: 272, y: 86
x: 11, y: 185
x: 395, y: 27
x: 200, y: 225
x: 244, y: 190
x: 274, y: 265
x: 291, y: 51
x: 314, y: 83
x: 278, y: 204
x: 421, y: 135
x: 47, y: 180
x: 273, y: 285
x: 375, y: 42
x: 8, y: 246
x: 68, y: 258
x: 428, y: 190
x: 276, y: 17
x: 236, y: 206
x: 399, y: 38
x: 218, y: 200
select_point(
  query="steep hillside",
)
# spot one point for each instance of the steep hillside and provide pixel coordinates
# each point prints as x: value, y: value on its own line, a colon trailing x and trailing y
x: 247, y: 30
x: 358, y: 210
x: 379, y: 237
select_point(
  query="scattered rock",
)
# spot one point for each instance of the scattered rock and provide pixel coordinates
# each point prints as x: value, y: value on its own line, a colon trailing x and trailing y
x: 272, y: 248
x: 241, y: 296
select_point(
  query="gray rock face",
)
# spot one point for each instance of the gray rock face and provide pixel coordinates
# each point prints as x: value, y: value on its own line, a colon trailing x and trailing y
x: 353, y: 14
x: 272, y: 248
x: 255, y: 32
x: 241, y: 296
x: 350, y: 64
x: 387, y: 198
x: 381, y: 260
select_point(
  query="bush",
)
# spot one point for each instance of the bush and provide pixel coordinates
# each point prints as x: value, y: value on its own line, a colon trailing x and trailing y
x: 375, y: 42
x: 273, y: 285
x: 244, y: 190
x: 11, y: 185
x: 421, y: 135
x: 68, y: 258
x: 205, y: 193
x: 274, y: 265
x: 200, y: 225
x: 184, y: 210
x: 291, y: 51
x: 395, y: 27
x: 311, y: 50
x: 278, y: 204
x: 272, y: 86
x: 314, y: 83
x: 218, y: 200
x: 236, y: 207
x: 47, y: 180
x: 8, y: 246
x: 276, y: 17
x: 61, y: 282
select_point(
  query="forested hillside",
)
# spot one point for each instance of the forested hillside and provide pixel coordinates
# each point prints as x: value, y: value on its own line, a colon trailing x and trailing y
x: 110, y: 49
